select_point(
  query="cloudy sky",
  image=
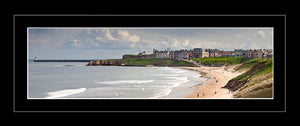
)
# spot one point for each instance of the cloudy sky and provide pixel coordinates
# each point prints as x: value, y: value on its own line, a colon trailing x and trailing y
x: 110, y: 43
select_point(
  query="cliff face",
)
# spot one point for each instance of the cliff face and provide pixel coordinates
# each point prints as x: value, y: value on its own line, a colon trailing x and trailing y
x: 256, y: 82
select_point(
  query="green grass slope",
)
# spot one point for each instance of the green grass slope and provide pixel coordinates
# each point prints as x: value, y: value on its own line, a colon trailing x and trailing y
x: 215, y: 61
x: 156, y: 62
x: 256, y: 82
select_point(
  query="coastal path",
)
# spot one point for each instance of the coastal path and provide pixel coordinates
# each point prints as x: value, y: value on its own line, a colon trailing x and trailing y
x: 196, y: 64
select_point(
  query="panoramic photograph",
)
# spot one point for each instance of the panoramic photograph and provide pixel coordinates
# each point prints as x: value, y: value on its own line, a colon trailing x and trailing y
x: 150, y: 63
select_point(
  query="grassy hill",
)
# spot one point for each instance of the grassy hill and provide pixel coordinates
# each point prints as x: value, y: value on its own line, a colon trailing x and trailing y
x: 156, y: 62
x: 215, y: 61
x: 140, y: 62
x: 256, y: 81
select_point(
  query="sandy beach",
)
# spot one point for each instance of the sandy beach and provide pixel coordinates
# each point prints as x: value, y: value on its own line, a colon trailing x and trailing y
x: 212, y: 88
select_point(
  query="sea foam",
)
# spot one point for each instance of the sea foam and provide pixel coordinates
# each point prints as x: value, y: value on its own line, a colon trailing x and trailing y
x: 63, y: 93
x: 177, y: 81
x: 162, y: 93
x: 125, y: 82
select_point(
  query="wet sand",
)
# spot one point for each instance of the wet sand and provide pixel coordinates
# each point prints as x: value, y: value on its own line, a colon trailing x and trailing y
x: 212, y: 88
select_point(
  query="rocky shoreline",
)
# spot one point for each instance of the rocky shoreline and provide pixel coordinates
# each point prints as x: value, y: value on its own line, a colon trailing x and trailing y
x: 106, y: 62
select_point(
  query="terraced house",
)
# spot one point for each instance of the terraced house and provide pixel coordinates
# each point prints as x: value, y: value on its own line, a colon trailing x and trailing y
x: 256, y: 53
x: 162, y: 54
x: 204, y: 53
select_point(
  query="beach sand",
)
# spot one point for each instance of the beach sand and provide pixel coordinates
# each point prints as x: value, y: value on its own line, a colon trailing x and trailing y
x: 212, y: 88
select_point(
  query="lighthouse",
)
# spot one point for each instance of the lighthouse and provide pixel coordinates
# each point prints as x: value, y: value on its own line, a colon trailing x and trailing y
x: 35, y: 59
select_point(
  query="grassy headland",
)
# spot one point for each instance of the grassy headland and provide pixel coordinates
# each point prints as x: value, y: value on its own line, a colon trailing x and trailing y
x: 142, y: 62
x: 256, y: 81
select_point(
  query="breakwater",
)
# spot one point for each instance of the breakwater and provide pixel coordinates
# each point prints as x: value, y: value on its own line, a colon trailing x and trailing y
x: 61, y: 60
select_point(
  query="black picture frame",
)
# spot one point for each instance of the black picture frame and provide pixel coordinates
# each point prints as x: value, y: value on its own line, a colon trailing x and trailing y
x: 23, y: 105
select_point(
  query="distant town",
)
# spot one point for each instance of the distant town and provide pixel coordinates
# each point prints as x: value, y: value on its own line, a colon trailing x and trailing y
x: 204, y: 53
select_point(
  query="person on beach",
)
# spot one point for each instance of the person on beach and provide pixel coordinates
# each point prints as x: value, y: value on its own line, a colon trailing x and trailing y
x: 203, y: 94
x: 215, y: 92
x: 198, y: 95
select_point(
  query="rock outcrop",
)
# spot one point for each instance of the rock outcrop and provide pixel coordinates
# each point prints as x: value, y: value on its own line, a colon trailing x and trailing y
x: 105, y: 62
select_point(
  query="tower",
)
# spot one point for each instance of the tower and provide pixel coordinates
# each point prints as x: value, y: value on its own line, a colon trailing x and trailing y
x: 35, y: 59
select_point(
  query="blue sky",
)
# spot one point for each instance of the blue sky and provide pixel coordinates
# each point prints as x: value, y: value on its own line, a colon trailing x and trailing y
x: 111, y: 43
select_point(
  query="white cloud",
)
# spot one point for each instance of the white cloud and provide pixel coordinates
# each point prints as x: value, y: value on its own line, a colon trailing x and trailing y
x: 260, y: 34
x: 131, y: 38
x: 165, y: 43
x: 99, y: 38
x: 186, y: 42
x: 205, y: 44
x: 95, y: 43
x: 124, y: 33
x: 175, y: 43
x: 196, y: 45
x: 108, y: 35
x: 134, y: 38
x: 76, y: 43
x: 132, y: 45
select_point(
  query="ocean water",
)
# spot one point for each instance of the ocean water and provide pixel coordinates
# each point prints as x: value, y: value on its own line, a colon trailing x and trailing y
x: 72, y: 80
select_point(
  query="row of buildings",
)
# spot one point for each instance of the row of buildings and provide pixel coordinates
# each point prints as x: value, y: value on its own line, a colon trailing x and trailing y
x: 204, y: 53
x: 256, y: 53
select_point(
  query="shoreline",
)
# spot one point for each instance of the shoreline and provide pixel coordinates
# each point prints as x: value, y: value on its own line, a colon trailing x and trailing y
x: 217, y: 77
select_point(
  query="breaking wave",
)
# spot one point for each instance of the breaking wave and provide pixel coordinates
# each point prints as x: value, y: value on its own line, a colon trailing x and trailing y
x: 63, y: 93
x: 125, y: 82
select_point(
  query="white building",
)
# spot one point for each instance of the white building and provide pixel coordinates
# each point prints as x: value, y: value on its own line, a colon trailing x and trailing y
x: 162, y: 54
x: 204, y: 54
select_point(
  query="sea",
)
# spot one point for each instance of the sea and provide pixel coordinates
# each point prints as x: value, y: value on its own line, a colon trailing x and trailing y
x: 75, y: 80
